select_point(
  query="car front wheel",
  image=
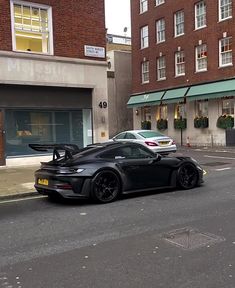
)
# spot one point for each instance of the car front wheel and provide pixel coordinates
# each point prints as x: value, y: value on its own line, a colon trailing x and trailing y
x: 187, y: 177
x: 106, y: 187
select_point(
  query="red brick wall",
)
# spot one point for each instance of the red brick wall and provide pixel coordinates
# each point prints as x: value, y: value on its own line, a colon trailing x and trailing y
x: 75, y: 24
x: 209, y: 35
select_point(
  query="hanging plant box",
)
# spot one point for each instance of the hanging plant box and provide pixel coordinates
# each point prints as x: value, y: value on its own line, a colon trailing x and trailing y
x: 146, y: 125
x: 162, y: 124
x: 201, y: 122
x: 225, y: 122
x: 180, y: 123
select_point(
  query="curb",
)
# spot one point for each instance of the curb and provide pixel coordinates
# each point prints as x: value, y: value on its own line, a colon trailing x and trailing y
x: 19, y: 196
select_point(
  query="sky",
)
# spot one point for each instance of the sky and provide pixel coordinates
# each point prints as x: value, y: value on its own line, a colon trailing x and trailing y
x: 117, y: 17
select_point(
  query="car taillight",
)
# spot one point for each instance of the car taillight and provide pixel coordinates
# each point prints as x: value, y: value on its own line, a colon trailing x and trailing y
x: 150, y: 143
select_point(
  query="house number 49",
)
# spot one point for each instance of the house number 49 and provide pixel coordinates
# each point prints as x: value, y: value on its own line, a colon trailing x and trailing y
x: 103, y: 104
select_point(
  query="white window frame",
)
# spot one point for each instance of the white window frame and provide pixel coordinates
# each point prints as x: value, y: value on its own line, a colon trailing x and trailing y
x: 226, y: 52
x: 230, y: 107
x: 161, y: 68
x: 228, y: 7
x: 200, y: 15
x: 179, y: 23
x: 160, y: 30
x: 144, y: 34
x: 159, y: 2
x: 50, y: 28
x: 143, y: 6
x: 145, y: 72
x: 179, y: 65
x: 201, y: 58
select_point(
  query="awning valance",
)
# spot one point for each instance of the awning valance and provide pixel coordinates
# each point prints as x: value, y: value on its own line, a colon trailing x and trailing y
x: 145, y: 99
x: 212, y: 90
x: 174, y: 95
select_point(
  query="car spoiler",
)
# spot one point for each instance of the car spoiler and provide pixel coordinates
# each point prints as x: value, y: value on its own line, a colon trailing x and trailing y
x: 68, y: 150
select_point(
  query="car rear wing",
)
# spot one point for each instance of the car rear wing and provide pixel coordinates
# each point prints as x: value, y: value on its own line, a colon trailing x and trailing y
x: 59, y: 150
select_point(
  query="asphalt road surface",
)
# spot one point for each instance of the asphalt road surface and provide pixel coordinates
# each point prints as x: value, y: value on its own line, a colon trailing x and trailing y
x: 171, y: 239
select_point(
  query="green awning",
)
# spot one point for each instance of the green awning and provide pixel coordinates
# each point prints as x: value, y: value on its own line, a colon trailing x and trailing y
x: 212, y: 90
x: 174, y: 95
x: 145, y: 99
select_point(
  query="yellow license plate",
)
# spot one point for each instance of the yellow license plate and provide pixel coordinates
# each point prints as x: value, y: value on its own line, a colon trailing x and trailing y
x: 43, y: 181
x: 164, y: 143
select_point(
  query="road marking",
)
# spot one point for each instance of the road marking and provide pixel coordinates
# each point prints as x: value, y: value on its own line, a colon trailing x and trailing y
x: 21, y: 199
x: 222, y: 169
x: 230, y: 158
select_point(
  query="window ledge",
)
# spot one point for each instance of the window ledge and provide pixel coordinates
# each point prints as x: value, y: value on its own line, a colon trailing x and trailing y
x: 225, y: 66
x: 199, y: 28
x: 201, y: 71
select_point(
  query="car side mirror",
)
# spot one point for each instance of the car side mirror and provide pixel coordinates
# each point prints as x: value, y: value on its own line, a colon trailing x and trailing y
x: 157, y: 158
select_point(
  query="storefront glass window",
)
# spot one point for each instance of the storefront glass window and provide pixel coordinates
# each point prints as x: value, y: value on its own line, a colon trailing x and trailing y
x: 202, y: 108
x: 228, y: 107
x: 45, y: 127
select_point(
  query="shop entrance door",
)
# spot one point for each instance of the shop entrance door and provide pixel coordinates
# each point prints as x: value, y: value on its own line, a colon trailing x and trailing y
x: 2, y: 134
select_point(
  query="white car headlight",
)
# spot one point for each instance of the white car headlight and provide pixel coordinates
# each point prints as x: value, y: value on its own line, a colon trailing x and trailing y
x: 79, y: 170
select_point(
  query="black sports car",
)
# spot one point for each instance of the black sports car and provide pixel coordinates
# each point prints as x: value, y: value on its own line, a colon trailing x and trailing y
x: 103, y: 171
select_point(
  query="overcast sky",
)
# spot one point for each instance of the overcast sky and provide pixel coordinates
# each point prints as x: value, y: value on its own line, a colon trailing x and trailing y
x: 118, y: 16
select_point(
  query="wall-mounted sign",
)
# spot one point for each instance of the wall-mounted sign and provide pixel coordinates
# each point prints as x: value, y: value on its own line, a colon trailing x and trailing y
x: 103, y: 104
x: 94, y: 51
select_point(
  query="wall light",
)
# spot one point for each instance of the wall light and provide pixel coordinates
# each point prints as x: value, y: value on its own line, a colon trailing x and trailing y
x: 136, y: 112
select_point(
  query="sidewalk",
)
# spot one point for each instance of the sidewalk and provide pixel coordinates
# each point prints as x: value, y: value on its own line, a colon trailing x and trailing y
x: 19, y: 181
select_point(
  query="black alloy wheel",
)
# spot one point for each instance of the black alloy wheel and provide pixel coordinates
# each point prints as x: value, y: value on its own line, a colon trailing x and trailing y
x: 106, y: 187
x: 187, y: 176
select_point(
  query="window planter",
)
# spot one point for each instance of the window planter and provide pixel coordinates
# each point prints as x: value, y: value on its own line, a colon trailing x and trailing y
x: 201, y: 122
x: 162, y: 124
x: 146, y: 125
x: 180, y: 123
x: 225, y: 122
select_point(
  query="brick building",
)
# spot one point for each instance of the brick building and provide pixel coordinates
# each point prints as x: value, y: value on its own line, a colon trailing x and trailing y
x: 53, y: 74
x: 183, y: 68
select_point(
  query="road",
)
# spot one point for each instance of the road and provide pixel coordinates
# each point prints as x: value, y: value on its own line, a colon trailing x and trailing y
x: 172, y: 239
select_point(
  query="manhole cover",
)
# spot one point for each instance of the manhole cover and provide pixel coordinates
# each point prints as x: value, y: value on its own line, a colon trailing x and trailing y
x: 188, y: 238
x: 214, y: 163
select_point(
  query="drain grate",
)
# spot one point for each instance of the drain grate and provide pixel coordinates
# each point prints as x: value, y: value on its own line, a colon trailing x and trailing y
x: 188, y: 238
x: 214, y: 164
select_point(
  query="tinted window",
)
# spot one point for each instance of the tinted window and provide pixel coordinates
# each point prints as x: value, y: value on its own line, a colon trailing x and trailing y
x: 130, y: 136
x: 150, y: 134
x: 128, y: 152
x: 120, y: 136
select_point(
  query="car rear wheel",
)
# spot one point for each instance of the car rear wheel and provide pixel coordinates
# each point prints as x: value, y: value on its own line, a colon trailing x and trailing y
x: 106, y: 187
x: 187, y: 176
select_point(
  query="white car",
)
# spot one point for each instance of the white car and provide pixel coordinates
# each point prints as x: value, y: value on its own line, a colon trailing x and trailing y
x: 154, y: 140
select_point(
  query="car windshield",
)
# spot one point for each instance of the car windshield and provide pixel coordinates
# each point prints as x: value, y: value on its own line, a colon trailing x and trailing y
x: 150, y: 134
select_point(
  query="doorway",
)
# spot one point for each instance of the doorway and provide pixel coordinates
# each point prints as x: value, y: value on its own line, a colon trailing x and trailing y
x: 2, y: 132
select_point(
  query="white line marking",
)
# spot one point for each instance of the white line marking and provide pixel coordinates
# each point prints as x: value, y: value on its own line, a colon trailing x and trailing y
x: 230, y: 158
x: 222, y: 169
x: 21, y: 199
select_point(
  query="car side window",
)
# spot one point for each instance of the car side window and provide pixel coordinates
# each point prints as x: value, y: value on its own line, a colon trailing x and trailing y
x: 138, y: 152
x: 130, y: 136
x: 120, y: 136
x: 117, y: 153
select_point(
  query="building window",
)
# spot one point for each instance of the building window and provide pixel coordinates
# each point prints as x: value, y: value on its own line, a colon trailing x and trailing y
x: 201, y: 108
x: 43, y: 127
x: 201, y: 58
x: 225, y: 9
x: 160, y: 28
x: 162, y: 112
x: 159, y: 2
x: 179, y: 63
x: 228, y: 107
x: 179, y: 23
x: 143, y: 6
x: 161, y: 68
x: 180, y: 111
x: 225, y: 50
x: 31, y: 27
x: 144, y: 37
x: 145, y: 71
x: 200, y: 15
